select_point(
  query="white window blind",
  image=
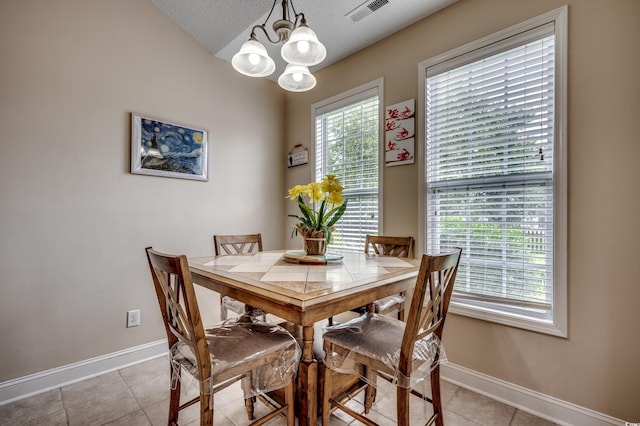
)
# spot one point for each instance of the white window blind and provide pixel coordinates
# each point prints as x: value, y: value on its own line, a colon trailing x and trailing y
x: 347, y: 146
x: 490, y: 171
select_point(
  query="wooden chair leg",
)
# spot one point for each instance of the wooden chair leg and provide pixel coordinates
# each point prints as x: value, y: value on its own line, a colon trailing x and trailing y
x: 326, y: 394
x: 370, y: 390
x: 404, y: 415
x: 174, y: 399
x: 289, y: 399
x: 436, y: 396
x: 248, y: 405
x: 248, y: 402
x: 206, y: 408
x: 401, y: 310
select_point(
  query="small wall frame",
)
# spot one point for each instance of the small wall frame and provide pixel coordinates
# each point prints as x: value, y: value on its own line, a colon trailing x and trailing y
x: 298, y: 156
x: 163, y: 148
x: 400, y: 133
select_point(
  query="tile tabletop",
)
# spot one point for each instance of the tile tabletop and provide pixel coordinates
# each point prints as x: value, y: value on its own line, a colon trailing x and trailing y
x: 269, y: 270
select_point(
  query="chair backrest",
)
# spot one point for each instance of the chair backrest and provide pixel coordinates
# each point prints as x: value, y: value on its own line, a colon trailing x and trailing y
x: 389, y: 246
x: 237, y: 244
x: 177, y: 299
x: 430, y: 302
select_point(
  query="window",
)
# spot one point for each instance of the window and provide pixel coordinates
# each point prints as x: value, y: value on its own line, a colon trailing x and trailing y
x: 494, y: 173
x: 347, y: 137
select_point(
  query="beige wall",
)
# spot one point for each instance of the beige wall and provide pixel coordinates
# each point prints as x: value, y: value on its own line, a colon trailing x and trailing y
x: 73, y: 221
x: 598, y: 365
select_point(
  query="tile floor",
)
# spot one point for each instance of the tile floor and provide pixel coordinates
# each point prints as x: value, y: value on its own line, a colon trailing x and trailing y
x: 138, y: 395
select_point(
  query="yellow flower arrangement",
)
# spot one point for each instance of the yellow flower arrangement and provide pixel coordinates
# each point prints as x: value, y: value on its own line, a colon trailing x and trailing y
x: 326, y: 206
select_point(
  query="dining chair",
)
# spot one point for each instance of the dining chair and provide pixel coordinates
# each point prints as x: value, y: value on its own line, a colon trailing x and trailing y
x: 387, y: 246
x: 402, y: 352
x: 233, y: 245
x: 384, y: 245
x: 264, y: 357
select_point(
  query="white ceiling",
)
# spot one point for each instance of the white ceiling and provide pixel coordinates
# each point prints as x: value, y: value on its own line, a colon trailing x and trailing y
x: 221, y: 26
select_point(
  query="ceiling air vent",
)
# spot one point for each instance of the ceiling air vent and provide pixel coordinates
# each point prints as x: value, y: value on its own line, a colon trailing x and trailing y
x: 366, y: 9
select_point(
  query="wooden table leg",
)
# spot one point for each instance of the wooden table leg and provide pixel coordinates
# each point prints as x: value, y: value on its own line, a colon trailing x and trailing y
x: 307, y: 381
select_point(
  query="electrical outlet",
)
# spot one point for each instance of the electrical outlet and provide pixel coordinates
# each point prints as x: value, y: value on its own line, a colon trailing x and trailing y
x: 133, y: 318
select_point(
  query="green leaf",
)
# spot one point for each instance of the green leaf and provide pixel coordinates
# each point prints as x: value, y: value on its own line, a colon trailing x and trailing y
x: 300, y: 219
x: 321, y: 217
x: 338, y: 214
x: 306, y: 212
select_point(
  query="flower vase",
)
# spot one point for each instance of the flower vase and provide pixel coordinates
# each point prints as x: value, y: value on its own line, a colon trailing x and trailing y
x: 314, y: 241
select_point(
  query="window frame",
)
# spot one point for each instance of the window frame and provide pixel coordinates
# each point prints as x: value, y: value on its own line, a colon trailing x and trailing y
x: 344, y: 99
x: 500, y: 314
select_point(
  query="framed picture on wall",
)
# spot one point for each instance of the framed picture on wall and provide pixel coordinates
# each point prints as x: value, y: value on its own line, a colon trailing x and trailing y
x: 400, y: 133
x: 163, y: 148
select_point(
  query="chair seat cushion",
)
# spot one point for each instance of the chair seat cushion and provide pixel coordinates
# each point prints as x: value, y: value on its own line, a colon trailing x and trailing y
x: 238, y: 347
x: 375, y: 340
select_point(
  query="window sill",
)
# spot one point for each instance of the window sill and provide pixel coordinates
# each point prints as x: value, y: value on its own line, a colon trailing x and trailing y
x: 512, y: 319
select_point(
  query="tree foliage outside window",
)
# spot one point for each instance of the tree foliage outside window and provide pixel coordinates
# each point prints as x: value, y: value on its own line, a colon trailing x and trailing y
x: 347, y: 146
x: 492, y: 176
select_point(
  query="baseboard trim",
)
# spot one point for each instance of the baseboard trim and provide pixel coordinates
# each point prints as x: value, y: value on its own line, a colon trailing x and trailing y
x: 541, y: 405
x: 536, y: 403
x: 54, y: 378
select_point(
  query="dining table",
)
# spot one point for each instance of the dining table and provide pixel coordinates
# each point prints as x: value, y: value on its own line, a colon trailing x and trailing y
x: 305, y: 290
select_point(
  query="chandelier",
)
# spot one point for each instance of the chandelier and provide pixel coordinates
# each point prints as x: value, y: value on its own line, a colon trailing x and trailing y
x: 301, y: 49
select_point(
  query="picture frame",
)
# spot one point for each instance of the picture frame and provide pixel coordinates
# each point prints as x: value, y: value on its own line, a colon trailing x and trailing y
x: 400, y: 133
x: 164, y: 148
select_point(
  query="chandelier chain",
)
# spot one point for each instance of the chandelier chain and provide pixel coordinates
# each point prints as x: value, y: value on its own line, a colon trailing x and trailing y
x: 294, y: 9
x: 273, y: 6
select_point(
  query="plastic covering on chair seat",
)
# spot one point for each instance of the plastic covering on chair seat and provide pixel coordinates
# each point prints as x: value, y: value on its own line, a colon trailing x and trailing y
x: 389, y: 304
x: 263, y: 357
x: 268, y: 352
x: 238, y: 307
x: 384, y: 306
x: 241, y: 244
x: 233, y: 305
x: 373, y: 338
x: 407, y: 354
x: 385, y: 245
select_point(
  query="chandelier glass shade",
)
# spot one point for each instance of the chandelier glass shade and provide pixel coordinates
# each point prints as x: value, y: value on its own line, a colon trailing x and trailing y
x: 301, y: 49
x: 297, y: 78
x: 253, y: 60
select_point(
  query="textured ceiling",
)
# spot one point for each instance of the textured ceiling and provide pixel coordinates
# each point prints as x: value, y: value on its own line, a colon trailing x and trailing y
x: 221, y: 26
